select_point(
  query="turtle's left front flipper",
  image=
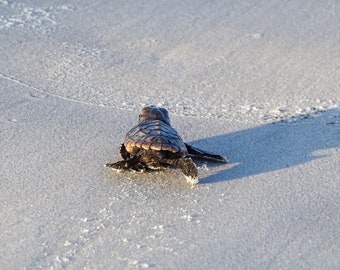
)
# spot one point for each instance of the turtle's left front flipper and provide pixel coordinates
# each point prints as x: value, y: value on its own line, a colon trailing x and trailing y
x: 199, y: 153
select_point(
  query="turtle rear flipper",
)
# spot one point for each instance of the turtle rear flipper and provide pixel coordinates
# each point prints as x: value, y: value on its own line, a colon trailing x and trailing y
x: 125, y: 154
x: 198, y: 153
x: 187, y: 166
x: 129, y: 164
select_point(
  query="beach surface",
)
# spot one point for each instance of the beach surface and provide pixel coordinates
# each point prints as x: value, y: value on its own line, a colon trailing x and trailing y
x: 256, y: 82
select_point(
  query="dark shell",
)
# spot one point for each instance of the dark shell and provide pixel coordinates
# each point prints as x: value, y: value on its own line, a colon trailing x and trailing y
x: 154, y: 135
x: 154, y: 113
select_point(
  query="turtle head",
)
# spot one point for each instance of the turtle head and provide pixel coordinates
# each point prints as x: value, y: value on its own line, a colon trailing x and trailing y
x: 154, y: 113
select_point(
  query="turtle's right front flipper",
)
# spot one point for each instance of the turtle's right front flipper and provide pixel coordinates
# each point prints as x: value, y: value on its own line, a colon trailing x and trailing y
x: 198, y: 153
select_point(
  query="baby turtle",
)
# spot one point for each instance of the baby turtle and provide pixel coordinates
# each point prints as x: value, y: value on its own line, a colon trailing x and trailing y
x: 153, y: 144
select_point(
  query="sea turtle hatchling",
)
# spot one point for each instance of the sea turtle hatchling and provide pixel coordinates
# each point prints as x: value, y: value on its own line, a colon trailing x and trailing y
x: 153, y: 144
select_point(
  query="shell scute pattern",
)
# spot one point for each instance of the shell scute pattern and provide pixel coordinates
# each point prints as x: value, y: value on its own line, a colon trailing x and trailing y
x: 154, y: 135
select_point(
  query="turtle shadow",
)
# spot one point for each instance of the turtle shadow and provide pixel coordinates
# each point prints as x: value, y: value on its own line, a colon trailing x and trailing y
x: 274, y: 146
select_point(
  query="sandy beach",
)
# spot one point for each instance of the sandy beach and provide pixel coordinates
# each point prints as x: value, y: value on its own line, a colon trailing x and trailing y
x: 257, y: 82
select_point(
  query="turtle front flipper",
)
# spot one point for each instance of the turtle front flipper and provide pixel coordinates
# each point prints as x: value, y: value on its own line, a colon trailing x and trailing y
x: 187, y: 166
x: 198, y: 153
x: 129, y: 164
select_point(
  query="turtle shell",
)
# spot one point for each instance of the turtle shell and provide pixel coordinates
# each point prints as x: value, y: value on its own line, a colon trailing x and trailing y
x: 154, y: 135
